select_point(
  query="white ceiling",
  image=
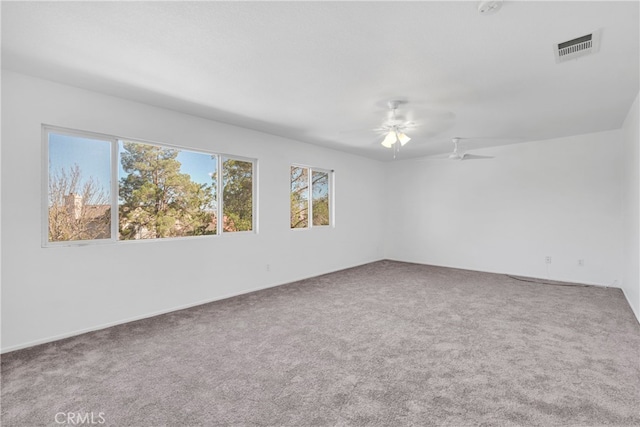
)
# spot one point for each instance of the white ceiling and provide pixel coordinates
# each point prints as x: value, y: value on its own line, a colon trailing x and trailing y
x: 322, y: 72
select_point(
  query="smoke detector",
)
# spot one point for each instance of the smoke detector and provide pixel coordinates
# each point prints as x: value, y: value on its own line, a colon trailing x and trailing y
x: 575, y: 48
x: 489, y: 7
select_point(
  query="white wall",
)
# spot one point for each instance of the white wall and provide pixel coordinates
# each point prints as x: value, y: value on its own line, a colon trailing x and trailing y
x: 48, y: 293
x: 570, y: 198
x: 558, y: 198
x: 631, y: 209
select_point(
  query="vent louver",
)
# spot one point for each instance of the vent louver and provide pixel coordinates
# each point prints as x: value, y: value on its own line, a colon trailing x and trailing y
x: 577, y: 47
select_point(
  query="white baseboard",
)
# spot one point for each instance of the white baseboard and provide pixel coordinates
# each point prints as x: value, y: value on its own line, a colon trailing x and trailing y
x: 554, y: 279
x: 231, y: 295
x: 633, y: 310
x: 127, y: 320
x: 160, y: 312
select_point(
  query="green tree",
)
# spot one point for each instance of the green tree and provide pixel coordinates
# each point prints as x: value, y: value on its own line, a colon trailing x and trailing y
x: 237, y: 196
x: 159, y: 201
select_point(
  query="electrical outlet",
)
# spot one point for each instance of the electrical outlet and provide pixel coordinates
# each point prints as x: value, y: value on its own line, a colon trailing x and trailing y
x: 581, y: 262
x: 268, y: 267
x: 547, y: 259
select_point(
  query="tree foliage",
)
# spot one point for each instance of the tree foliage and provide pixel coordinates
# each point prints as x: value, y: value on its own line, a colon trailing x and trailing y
x: 88, y: 217
x: 237, y: 197
x: 299, y: 197
x: 157, y: 200
x: 320, y: 202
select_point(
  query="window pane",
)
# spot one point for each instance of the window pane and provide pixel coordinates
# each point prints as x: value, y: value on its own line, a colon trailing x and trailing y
x: 237, y: 199
x: 320, y: 186
x: 299, y: 197
x: 165, y: 192
x: 79, y: 194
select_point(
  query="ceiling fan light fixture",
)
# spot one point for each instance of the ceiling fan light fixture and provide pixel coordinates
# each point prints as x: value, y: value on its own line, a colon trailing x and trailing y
x: 394, y: 128
x: 389, y: 140
x: 403, y: 138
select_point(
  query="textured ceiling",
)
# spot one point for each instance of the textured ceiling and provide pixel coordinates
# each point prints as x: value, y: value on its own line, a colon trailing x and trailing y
x: 322, y: 72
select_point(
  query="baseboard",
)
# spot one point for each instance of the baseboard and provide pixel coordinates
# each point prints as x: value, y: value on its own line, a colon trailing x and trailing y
x: 248, y: 291
x: 127, y: 320
x: 633, y: 310
x: 510, y: 274
x: 161, y: 312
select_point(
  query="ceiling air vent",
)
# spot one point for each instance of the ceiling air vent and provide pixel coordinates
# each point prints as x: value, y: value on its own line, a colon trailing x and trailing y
x: 577, y: 47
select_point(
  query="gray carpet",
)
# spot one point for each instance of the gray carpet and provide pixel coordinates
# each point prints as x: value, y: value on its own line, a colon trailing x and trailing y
x: 385, y: 344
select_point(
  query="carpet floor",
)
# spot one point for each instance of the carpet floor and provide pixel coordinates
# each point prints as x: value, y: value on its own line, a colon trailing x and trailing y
x: 384, y: 344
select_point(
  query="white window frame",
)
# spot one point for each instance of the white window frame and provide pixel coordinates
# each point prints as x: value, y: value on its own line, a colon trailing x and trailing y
x: 330, y: 185
x: 114, y: 187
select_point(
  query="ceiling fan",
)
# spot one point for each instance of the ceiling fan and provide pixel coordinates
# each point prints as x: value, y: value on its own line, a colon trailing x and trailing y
x: 394, y: 128
x: 457, y: 155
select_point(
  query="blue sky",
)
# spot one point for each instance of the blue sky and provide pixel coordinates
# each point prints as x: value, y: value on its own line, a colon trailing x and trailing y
x: 197, y: 165
x: 93, y: 157
x: 321, y: 187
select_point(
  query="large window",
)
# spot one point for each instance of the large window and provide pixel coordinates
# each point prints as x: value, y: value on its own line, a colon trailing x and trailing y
x: 310, y: 197
x: 102, y: 188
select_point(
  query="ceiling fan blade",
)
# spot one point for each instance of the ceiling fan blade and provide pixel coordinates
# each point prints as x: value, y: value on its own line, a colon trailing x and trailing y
x: 434, y: 157
x: 363, y: 131
x: 490, y: 138
x: 467, y: 156
x: 456, y: 157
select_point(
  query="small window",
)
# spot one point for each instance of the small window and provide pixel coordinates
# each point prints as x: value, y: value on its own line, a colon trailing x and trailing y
x: 310, y: 197
x: 79, y: 182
